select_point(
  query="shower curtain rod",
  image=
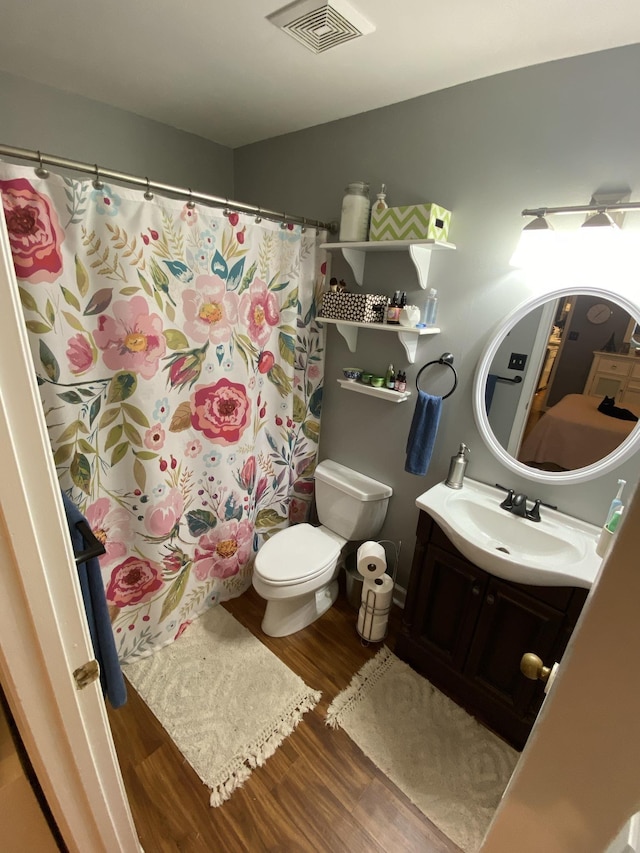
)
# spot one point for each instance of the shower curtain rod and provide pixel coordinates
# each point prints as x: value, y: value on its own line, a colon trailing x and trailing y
x: 98, y: 172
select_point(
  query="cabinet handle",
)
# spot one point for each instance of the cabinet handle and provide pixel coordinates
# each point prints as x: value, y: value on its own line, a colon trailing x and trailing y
x: 491, y: 599
x: 475, y: 590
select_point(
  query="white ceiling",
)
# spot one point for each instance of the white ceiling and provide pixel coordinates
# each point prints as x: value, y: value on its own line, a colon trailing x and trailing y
x: 221, y: 70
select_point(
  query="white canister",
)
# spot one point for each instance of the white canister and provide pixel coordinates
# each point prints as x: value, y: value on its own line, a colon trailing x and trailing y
x: 354, y: 219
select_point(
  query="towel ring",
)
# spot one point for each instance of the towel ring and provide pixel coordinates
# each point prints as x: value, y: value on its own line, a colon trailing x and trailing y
x: 445, y: 358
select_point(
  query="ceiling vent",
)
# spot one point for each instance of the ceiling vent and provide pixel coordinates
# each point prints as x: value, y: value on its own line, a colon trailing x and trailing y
x: 320, y: 26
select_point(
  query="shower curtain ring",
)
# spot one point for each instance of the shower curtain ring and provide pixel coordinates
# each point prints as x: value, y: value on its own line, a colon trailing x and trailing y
x: 283, y: 224
x: 97, y: 183
x: 148, y: 194
x: 191, y: 203
x: 41, y: 172
x: 304, y: 225
x: 225, y: 211
x: 258, y: 215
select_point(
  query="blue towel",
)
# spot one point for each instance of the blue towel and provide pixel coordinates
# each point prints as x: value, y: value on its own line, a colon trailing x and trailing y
x: 95, y: 605
x: 422, y: 435
x: 490, y: 387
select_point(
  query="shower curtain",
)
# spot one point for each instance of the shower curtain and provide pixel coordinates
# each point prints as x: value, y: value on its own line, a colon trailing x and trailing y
x: 180, y: 368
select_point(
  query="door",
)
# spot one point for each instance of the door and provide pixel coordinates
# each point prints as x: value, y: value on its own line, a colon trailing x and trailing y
x: 43, y: 630
x: 450, y: 594
x: 493, y: 664
x: 576, y: 785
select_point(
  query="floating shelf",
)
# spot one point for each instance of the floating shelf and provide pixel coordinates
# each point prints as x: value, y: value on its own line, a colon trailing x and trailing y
x: 419, y: 251
x: 384, y: 393
x: 408, y: 336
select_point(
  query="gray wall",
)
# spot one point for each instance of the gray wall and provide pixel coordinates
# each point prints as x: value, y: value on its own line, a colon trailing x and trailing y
x: 48, y: 120
x: 547, y: 135
x: 550, y: 134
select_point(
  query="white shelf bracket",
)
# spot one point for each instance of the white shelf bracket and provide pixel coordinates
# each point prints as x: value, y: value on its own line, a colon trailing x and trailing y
x: 350, y: 334
x: 410, y: 344
x: 421, y: 257
x: 355, y: 258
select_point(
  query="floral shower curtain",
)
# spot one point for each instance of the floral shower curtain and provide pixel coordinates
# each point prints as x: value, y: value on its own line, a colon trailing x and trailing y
x: 180, y: 369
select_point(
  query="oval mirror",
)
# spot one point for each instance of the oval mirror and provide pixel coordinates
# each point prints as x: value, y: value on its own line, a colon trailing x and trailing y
x: 557, y: 390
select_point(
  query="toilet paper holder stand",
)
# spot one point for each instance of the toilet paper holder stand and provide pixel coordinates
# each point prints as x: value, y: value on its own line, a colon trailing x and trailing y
x: 369, y: 598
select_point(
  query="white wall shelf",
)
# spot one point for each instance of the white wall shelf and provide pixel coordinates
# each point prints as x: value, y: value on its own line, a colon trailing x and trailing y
x: 419, y: 251
x: 383, y: 393
x: 408, y: 336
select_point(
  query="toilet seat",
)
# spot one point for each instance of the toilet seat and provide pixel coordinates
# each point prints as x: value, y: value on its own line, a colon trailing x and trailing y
x: 295, y: 555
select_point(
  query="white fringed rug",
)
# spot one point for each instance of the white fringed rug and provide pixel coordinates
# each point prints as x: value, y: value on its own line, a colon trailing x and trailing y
x: 450, y: 766
x: 226, y: 701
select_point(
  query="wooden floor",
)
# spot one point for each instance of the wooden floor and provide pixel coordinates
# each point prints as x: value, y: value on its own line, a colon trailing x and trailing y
x: 318, y: 792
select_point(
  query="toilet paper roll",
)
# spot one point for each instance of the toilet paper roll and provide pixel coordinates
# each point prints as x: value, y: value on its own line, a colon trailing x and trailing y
x: 373, y: 628
x: 371, y: 560
x: 377, y: 594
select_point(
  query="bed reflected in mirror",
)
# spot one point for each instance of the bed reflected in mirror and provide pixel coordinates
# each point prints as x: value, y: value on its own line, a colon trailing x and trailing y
x: 558, y: 390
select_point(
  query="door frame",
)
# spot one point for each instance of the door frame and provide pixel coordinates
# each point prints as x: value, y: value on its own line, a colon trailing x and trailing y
x: 44, y: 635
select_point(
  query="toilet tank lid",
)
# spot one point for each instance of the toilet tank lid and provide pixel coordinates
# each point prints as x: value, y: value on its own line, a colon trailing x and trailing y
x: 351, y: 482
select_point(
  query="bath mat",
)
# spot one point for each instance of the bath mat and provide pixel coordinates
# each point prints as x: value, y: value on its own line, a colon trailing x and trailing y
x: 450, y: 766
x: 226, y: 701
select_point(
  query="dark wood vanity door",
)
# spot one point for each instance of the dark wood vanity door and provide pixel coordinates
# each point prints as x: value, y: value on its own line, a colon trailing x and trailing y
x: 450, y: 597
x: 511, y: 623
x: 466, y: 631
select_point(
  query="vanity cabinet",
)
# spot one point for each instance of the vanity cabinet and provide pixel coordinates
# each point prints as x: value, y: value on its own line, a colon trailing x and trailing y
x: 615, y: 375
x: 466, y: 631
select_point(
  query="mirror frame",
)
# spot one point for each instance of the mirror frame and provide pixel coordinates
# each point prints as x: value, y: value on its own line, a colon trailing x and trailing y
x: 627, y: 448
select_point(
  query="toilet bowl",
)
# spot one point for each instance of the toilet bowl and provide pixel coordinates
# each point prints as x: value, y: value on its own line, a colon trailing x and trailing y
x: 296, y: 570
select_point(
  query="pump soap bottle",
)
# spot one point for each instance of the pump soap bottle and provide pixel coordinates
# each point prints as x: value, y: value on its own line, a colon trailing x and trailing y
x: 607, y: 533
x: 457, y: 467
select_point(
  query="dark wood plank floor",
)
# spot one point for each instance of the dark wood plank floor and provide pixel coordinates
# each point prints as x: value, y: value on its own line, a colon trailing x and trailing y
x: 317, y: 793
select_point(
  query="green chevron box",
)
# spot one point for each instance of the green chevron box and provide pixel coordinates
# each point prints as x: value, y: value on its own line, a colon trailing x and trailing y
x: 411, y: 222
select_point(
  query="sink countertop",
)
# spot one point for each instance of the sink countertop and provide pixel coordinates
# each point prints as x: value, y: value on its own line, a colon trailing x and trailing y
x: 557, y: 551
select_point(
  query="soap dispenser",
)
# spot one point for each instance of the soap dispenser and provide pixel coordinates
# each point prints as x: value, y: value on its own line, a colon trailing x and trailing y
x: 457, y: 467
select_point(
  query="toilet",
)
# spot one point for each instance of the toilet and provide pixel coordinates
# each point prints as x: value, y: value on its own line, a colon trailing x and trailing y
x: 296, y: 570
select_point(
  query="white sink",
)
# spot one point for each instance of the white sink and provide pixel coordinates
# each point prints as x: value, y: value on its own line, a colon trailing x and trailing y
x: 557, y: 551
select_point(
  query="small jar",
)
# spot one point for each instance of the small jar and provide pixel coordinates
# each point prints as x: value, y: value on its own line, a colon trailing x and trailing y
x: 354, y: 219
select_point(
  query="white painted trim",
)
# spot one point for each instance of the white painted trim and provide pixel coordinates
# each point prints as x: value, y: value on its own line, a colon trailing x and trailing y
x: 43, y: 629
x: 576, y: 783
x: 626, y: 448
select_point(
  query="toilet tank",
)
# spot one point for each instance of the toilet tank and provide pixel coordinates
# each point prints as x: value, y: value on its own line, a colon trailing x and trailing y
x: 349, y: 503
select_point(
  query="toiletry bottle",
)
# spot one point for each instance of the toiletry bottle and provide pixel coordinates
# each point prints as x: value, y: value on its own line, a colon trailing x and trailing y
x: 431, y: 308
x: 354, y: 219
x: 393, y: 310
x: 391, y: 378
x: 616, y: 502
x: 401, y: 382
x: 457, y: 467
x: 380, y: 203
x: 403, y: 300
x: 607, y: 533
x: 612, y: 524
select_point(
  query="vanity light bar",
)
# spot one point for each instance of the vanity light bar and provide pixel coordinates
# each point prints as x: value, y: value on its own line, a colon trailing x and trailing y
x: 584, y: 208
